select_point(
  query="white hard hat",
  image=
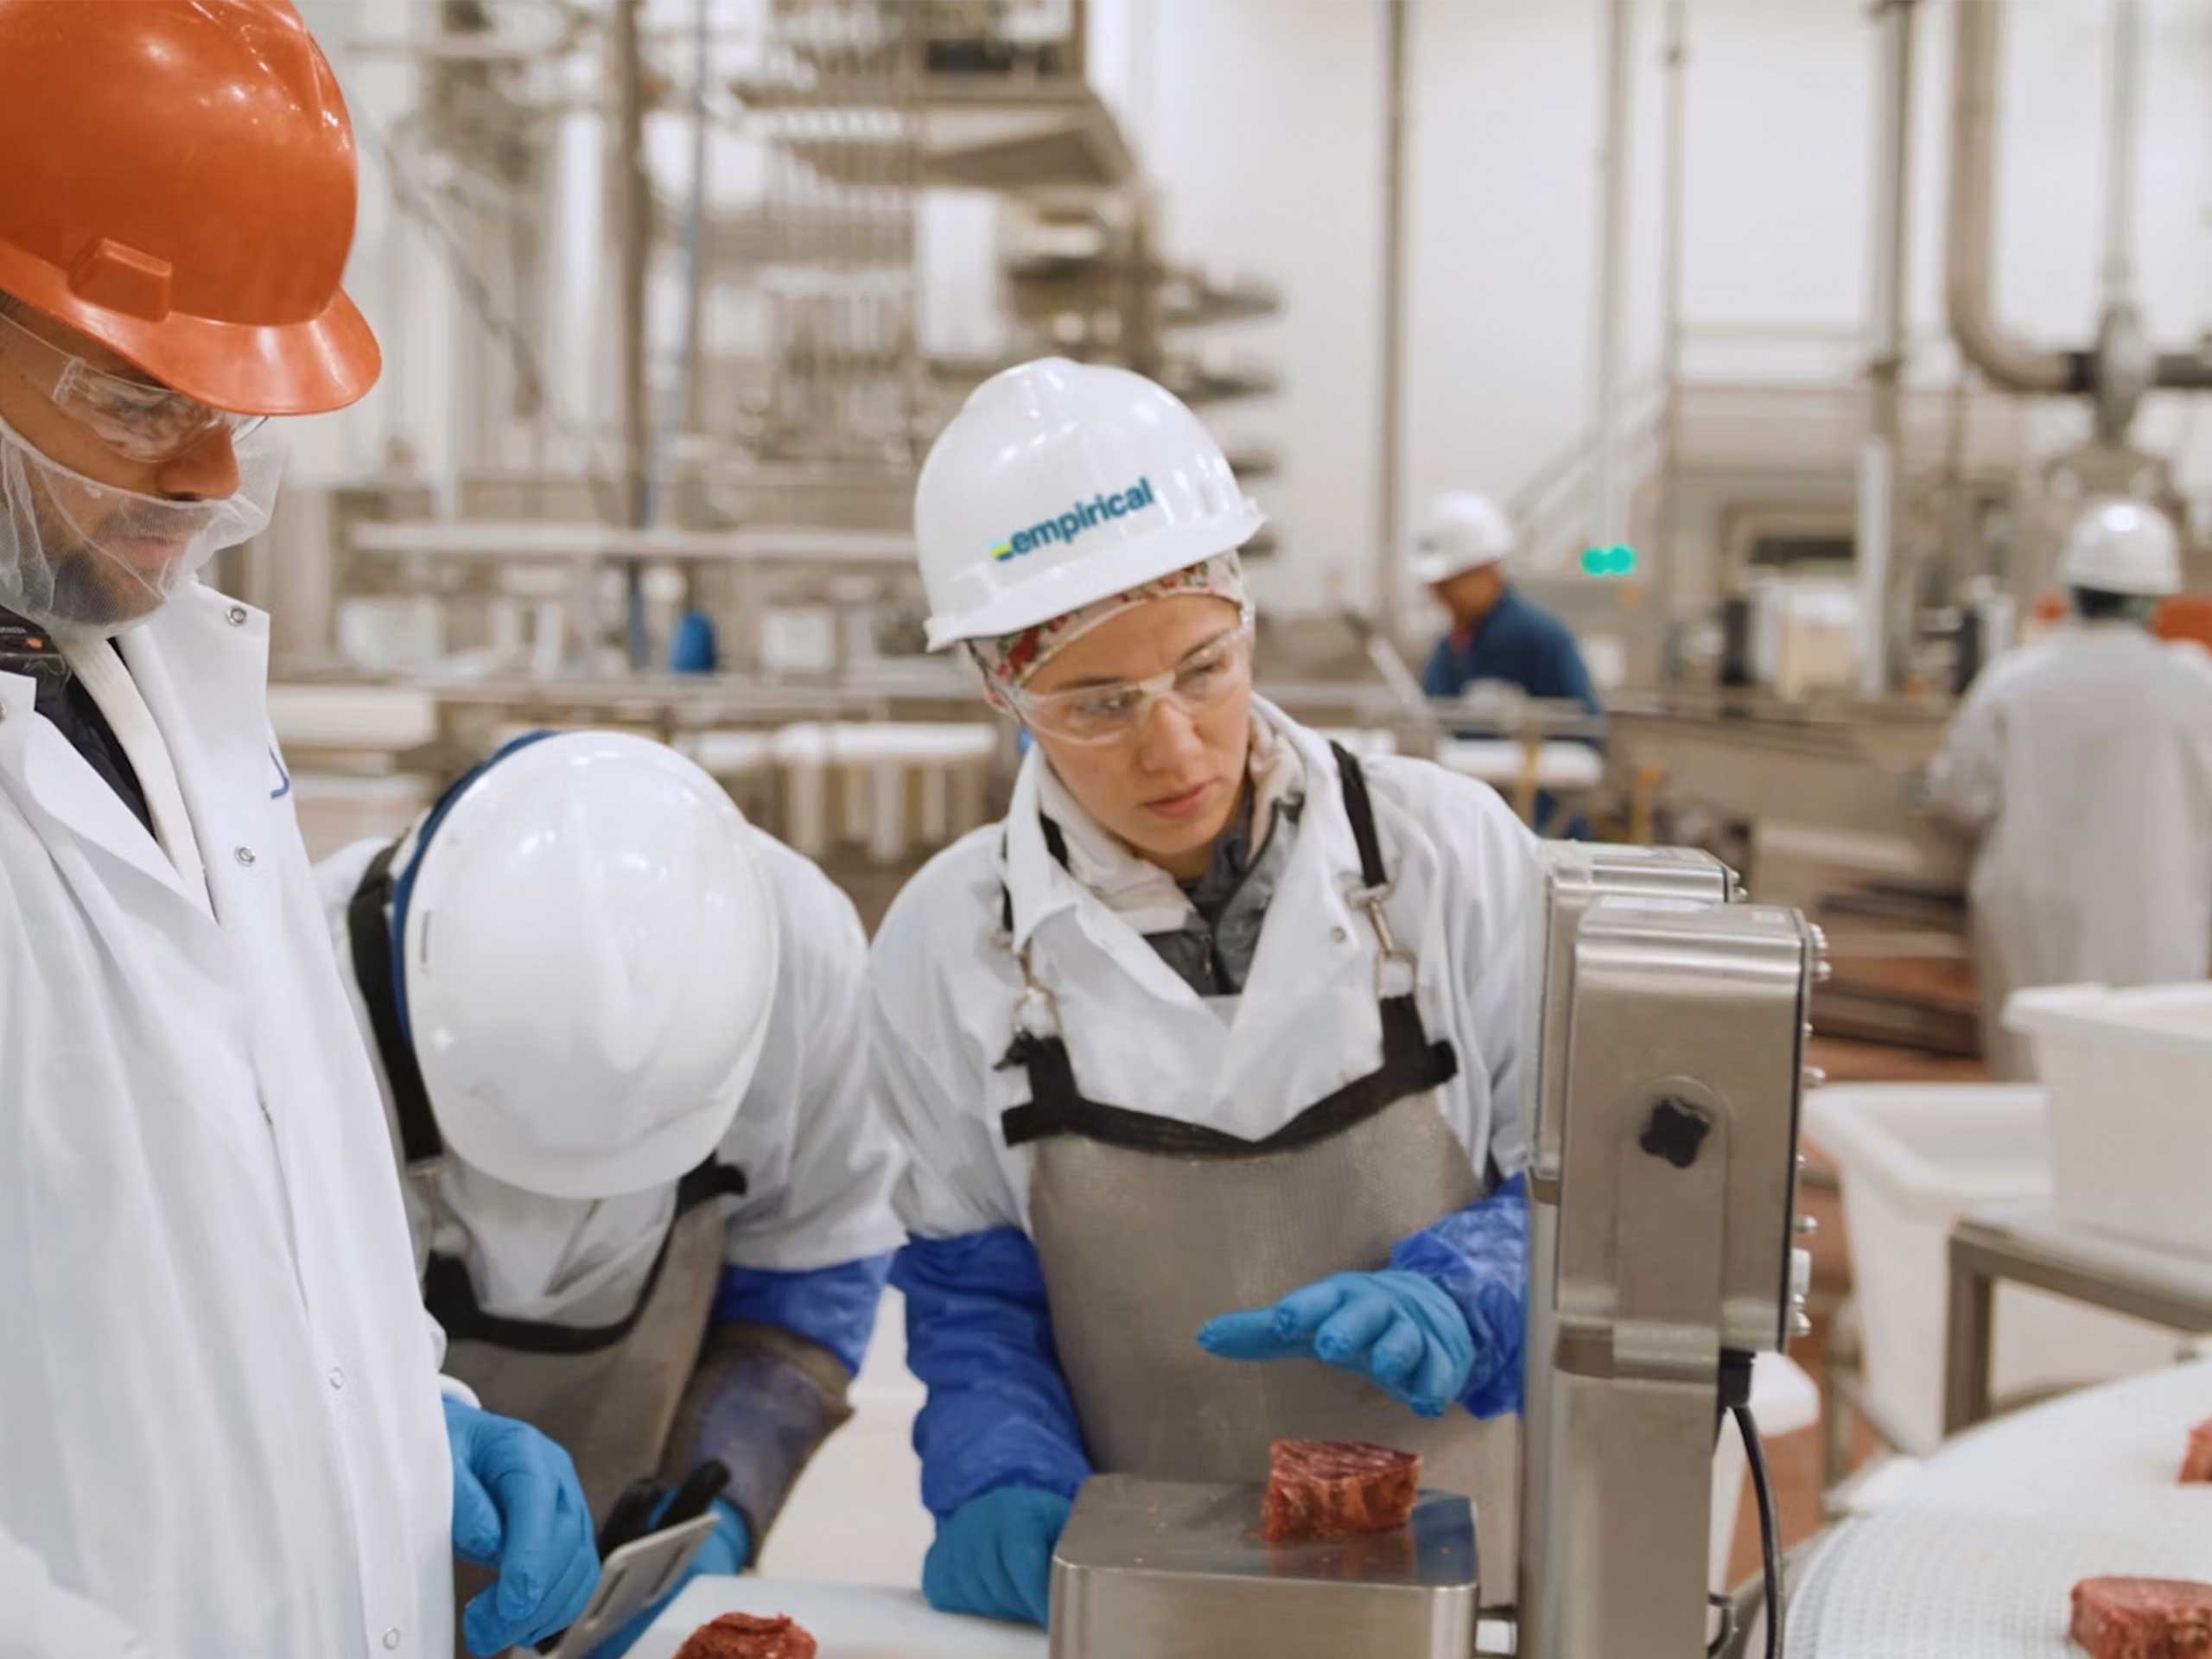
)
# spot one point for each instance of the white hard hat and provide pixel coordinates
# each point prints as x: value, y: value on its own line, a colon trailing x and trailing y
x: 2119, y: 546
x: 589, y: 957
x: 1463, y: 531
x: 1058, y: 484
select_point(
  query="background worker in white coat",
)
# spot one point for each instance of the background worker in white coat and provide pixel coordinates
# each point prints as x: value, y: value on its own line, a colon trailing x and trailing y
x: 221, y: 1430
x: 622, y: 1036
x: 1206, y: 1059
x: 2084, y: 764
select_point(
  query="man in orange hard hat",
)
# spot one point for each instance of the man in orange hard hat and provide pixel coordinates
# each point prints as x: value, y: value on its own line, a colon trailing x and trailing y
x: 222, y: 1433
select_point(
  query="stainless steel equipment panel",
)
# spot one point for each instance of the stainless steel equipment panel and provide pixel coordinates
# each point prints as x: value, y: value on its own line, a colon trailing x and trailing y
x: 1150, y: 1569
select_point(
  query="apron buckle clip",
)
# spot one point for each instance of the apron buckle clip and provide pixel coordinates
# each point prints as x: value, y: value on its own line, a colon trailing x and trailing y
x: 1037, y: 1015
x: 1393, y: 969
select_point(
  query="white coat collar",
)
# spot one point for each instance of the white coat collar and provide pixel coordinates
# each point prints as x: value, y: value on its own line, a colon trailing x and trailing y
x: 1039, y: 887
x: 215, y: 710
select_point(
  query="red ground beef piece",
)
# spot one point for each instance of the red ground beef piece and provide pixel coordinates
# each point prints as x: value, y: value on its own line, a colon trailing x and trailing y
x: 741, y: 1636
x: 1336, y: 1489
x: 2143, y: 1619
x: 2196, y: 1464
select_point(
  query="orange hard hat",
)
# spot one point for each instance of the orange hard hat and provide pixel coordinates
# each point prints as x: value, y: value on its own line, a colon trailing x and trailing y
x: 178, y: 184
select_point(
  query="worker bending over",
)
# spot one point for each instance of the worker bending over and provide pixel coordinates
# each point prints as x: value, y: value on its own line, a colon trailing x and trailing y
x: 1208, y: 1058
x: 621, y: 1035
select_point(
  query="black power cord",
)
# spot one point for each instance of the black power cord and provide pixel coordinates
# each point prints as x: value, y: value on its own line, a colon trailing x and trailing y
x: 1770, y: 1528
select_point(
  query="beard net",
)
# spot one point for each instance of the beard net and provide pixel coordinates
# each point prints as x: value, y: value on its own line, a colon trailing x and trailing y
x: 89, y: 558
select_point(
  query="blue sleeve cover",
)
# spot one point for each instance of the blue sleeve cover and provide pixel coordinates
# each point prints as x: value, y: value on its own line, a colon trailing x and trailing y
x: 979, y: 1335
x: 833, y: 1307
x: 1479, y: 1256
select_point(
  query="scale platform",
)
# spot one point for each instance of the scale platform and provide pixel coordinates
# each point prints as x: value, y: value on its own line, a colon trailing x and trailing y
x: 1152, y: 1569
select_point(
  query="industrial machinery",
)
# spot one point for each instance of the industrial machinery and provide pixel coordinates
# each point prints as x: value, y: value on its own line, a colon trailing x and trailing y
x: 1668, y: 1053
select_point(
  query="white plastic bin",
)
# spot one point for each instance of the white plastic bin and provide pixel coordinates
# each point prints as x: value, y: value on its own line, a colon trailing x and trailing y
x: 1915, y: 1158
x: 2130, y: 1078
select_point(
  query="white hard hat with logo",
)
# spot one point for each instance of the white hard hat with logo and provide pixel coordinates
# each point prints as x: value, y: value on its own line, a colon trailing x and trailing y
x: 1462, y: 532
x: 2119, y: 546
x: 1058, y: 484
x: 588, y: 958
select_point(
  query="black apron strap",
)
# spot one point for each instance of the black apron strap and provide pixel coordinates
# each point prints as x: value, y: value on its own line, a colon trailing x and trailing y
x: 1411, y: 1064
x: 1360, y: 808
x: 451, y: 1298
x: 368, y: 932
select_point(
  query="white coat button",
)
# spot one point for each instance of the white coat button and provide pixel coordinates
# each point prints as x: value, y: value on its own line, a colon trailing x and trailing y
x: 392, y: 1638
x: 244, y: 855
x: 1339, y: 934
x: 337, y: 1378
x: 236, y: 616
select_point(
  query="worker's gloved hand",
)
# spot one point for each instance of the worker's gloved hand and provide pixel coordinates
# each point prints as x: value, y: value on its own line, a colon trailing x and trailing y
x: 518, y: 1507
x: 729, y: 1549
x: 993, y: 1555
x: 1397, y: 1328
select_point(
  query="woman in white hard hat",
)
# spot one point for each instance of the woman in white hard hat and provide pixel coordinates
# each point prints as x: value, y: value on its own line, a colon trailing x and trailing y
x: 2084, y: 764
x: 1219, y: 1028
x: 621, y: 1037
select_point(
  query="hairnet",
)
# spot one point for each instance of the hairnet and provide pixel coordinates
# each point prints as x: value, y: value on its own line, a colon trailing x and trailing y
x: 63, y: 536
x: 1008, y: 661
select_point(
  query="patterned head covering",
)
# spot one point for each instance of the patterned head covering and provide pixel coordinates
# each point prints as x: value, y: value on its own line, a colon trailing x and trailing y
x: 1008, y: 661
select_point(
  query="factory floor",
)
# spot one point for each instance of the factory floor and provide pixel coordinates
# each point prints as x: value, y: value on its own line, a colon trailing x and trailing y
x: 1795, y: 1460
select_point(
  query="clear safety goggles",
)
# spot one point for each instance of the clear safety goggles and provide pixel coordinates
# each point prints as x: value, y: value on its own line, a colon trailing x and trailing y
x: 140, y: 420
x: 1208, y: 678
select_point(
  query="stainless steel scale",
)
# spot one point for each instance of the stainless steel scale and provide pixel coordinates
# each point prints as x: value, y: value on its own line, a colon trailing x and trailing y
x: 1668, y: 1065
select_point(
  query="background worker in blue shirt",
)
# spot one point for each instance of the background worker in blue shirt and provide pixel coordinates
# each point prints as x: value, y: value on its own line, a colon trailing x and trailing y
x: 1459, y: 551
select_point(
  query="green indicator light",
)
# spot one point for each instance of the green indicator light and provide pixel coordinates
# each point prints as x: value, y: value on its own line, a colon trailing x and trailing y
x: 1619, y: 560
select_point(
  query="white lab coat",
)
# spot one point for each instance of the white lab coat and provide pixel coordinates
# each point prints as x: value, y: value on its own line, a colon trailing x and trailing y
x: 220, y: 1435
x: 2084, y: 764
x: 945, y: 986
x: 818, y: 1159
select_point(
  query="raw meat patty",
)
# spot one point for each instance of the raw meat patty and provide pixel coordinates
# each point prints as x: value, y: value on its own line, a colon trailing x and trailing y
x: 741, y: 1636
x: 2196, y: 1464
x: 2143, y: 1619
x: 1336, y: 1489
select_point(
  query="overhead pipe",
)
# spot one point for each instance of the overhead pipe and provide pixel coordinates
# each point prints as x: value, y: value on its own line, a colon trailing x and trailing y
x: 1612, y: 270
x: 634, y: 246
x: 2118, y: 368
x: 1667, y: 541
x: 1389, y: 555
x: 1880, y: 453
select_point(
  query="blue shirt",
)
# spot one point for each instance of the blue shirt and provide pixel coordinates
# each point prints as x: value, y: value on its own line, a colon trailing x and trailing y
x: 1518, y: 642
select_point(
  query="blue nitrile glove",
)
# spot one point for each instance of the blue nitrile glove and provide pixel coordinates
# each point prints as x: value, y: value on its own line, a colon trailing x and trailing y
x: 518, y: 1507
x: 993, y: 1556
x: 729, y: 1549
x: 1396, y: 1328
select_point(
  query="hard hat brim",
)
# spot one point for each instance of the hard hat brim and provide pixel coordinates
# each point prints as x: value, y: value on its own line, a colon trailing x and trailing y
x: 328, y: 363
x: 1055, y: 593
x: 1430, y: 570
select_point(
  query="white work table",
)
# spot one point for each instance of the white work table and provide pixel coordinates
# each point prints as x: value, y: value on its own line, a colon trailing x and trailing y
x: 1974, y: 1557
x: 851, y: 1621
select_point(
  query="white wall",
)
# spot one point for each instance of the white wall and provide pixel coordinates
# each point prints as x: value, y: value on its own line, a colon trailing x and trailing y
x: 1262, y: 122
x: 1266, y: 132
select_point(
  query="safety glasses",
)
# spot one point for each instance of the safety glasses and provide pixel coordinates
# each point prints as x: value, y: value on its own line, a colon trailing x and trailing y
x: 1209, y: 677
x: 138, y: 419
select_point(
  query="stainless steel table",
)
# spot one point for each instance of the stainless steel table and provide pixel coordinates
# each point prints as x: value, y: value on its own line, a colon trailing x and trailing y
x: 2033, y: 1245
